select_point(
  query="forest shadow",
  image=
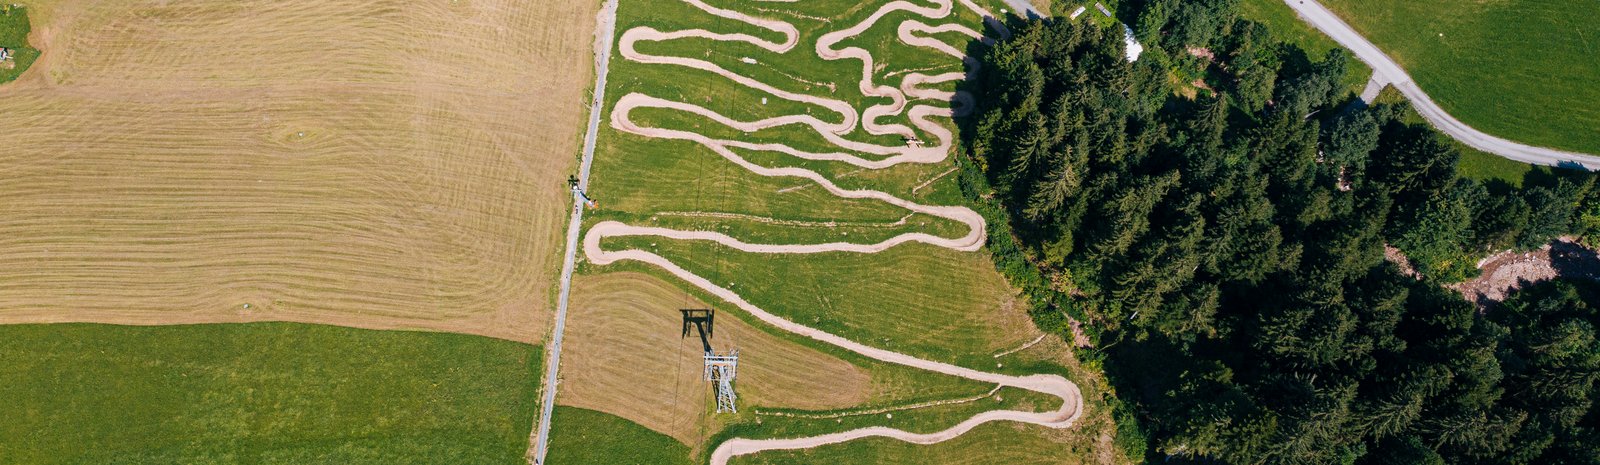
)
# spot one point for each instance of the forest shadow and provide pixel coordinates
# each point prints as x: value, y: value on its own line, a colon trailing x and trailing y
x: 1574, y: 261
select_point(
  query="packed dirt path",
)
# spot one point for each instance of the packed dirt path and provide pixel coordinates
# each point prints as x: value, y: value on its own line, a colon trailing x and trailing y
x: 935, y: 152
x: 1385, y: 69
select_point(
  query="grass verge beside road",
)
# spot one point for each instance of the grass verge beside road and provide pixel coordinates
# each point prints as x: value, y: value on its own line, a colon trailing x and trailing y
x: 1523, y: 70
x: 1474, y: 163
x: 262, y: 393
x: 1287, y: 27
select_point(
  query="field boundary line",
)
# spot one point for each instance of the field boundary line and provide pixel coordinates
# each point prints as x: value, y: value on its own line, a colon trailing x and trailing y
x: 605, y: 31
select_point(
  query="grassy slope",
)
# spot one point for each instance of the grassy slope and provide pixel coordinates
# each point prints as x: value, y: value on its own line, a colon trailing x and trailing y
x: 637, y: 177
x: 584, y: 437
x: 944, y: 304
x: 1001, y: 443
x: 1287, y: 27
x: 1484, y: 166
x: 262, y: 393
x: 14, y: 29
x: 900, y: 385
x: 1520, y: 69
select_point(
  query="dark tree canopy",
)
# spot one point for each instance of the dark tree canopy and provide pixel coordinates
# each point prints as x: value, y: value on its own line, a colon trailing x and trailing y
x: 1225, y: 241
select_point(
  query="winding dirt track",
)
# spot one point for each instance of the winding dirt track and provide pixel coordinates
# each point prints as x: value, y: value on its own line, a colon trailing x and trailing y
x: 919, y: 116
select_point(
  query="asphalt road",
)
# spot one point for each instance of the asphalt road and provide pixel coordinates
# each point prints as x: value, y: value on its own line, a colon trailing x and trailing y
x: 604, y: 33
x: 1386, y: 70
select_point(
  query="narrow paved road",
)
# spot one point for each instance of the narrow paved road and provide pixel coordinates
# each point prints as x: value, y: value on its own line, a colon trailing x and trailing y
x: 605, y: 29
x: 1386, y: 70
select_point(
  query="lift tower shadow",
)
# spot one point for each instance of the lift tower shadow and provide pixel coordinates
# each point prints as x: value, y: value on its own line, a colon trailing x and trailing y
x: 719, y: 368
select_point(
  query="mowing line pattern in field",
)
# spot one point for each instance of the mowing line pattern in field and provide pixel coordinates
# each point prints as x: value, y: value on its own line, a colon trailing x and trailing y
x: 372, y: 163
x: 913, y: 86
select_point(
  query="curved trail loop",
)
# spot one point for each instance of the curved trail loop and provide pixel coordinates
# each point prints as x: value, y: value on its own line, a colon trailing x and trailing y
x: 910, y: 32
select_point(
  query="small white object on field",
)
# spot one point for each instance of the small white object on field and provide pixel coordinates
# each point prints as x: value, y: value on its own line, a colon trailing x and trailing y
x: 763, y: 100
x: 748, y: 60
x: 888, y: 415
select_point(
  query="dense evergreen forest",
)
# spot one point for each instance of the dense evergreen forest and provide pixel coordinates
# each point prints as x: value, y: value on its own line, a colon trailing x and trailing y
x: 1216, y: 214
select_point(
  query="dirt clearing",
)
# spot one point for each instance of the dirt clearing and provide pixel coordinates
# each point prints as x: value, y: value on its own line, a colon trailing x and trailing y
x: 1508, y: 271
x: 386, y: 164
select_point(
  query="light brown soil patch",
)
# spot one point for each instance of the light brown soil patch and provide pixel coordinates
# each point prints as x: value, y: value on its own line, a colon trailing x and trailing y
x: 388, y: 163
x: 1508, y: 271
x: 625, y: 355
x: 1399, y: 259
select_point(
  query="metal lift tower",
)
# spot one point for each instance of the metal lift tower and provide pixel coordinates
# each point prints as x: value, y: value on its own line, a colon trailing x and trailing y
x: 720, y: 368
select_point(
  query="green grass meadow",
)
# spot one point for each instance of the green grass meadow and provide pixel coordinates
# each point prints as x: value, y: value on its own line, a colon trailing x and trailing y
x: 1001, y: 443
x: 586, y: 437
x: 14, y: 30
x: 262, y: 393
x: 1525, y: 70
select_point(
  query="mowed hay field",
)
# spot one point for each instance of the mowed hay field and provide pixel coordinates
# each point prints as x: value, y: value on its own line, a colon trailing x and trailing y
x: 628, y: 376
x: 1525, y: 70
x: 368, y: 163
x: 625, y: 355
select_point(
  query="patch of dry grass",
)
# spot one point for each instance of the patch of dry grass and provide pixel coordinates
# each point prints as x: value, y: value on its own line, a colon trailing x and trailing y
x: 382, y: 163
x: 625, y: 356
